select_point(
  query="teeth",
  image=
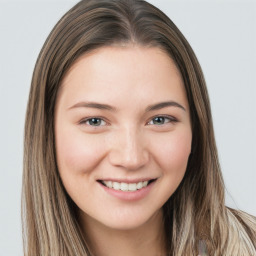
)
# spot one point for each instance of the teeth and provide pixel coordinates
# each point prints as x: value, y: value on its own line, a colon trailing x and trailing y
x: 139, y: 185
x: 116, y: 185
x: 132, y: 187
x: 108, y: 184
x: 125, y: 186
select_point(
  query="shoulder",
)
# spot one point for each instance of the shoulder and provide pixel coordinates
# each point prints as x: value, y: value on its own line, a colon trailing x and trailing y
x: 247, y: 220
x: 242, y: 226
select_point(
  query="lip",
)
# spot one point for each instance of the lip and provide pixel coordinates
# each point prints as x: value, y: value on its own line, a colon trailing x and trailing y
x: 127, y: 180
x: 129, y: 195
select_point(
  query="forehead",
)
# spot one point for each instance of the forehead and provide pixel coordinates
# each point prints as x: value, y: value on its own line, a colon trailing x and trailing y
x: 112, y: 72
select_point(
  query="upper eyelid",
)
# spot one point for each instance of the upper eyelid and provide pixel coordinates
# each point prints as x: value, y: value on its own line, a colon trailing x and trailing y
x: 172, y: 118
x: 84, y: 120
x: 166, y: 116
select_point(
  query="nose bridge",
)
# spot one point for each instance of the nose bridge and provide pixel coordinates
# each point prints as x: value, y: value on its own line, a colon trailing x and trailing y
x: 129, y: 150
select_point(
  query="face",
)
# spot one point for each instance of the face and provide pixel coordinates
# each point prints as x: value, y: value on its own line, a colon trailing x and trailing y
x: 123, y: 134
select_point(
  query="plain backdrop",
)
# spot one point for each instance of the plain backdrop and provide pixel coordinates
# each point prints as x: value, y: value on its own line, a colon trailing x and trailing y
x: 223, y: 36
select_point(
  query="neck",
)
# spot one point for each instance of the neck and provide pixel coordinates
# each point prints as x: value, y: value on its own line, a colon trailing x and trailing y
x: 148, y: 239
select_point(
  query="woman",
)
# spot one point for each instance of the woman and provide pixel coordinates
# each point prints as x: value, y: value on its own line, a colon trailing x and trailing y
x: 120, y: 156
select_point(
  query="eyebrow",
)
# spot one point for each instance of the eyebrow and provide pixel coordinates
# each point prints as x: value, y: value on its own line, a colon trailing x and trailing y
x: 153, y: 107
x: 164, y: 105
x: 93, y: 105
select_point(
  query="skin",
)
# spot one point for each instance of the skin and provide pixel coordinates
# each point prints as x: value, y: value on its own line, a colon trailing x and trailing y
x: 128, y: 143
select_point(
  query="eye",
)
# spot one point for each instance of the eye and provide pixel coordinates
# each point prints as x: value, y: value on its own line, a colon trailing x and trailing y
x: 160, y: 120
x: 95, y: 121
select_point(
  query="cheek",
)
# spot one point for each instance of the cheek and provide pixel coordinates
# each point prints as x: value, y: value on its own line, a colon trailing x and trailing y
x: 172, y: 153
x: 77, y: 153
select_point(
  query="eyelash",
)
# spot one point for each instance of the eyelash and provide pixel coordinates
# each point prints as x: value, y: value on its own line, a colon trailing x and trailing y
x: 166, y: 117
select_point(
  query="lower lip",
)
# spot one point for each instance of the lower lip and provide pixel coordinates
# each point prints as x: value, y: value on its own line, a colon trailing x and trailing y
x: 129, y: 195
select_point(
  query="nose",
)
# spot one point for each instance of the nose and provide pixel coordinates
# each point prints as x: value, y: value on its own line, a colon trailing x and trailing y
x: 128, y: 150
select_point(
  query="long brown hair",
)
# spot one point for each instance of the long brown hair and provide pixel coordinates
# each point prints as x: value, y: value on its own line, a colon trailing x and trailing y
x: 195, y: 214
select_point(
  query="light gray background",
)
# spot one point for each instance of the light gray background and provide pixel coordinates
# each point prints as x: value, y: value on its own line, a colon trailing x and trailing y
x: 223, y: 35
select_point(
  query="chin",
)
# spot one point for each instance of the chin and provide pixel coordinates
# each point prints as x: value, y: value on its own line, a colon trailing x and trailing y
x: 129, y: 220
x: 126, y: 224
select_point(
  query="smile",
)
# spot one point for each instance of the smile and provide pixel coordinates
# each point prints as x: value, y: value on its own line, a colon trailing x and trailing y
x: 126, y: 186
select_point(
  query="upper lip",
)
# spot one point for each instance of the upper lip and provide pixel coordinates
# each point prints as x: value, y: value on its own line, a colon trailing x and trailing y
x: 127, y: 180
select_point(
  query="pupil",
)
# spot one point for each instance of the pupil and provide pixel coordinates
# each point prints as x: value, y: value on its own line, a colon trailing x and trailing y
x: 159, y: 120
x: 94, y: 121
